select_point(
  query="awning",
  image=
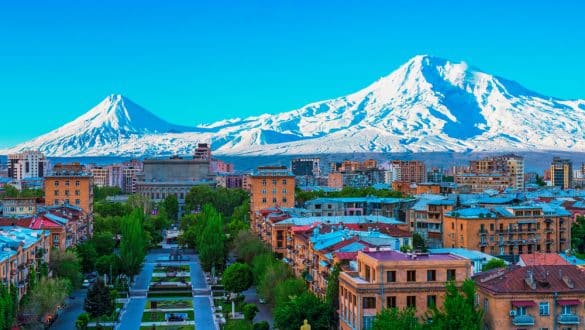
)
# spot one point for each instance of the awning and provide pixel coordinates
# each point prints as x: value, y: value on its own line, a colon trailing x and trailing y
x: 568, y: 302
x: 523, y: 303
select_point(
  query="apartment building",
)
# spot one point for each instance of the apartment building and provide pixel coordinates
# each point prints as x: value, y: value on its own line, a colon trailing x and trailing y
x: 509, y: 231
x: 543, y: 297
x: 70, y: 184
x: 495, y: 172
x: 561, y: 173
x: 272, y: 186
x: 338, y: 206
x: 425, y: 217
x: 392, y: 279
x: 27, y: 164
x: 408, y: 171
x: 306, y: 166
x: 18, y: 206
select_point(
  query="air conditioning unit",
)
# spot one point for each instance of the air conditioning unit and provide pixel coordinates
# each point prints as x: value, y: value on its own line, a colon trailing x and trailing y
x: 512, y: 313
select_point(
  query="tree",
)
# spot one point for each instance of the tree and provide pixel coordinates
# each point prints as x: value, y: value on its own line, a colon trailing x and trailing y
x: 578, y: 234
x: 237, y: 278
x: 392, y: 318
x: 493, y: 263
x: 332, y: 293
x: 260, y: 264
x: 247, y: 246
x: 100, y: 193
x: 250, y: 311
x: 238, y: 325
x: 211, y: 242
x: 82, y: 321
x: 263, y: 325
x: 276, y: 273
x: 50, y: 293
x: 87, y: 254
x: 98, y: 301
x: 65, y: 264
x: 109, y: 263
x: 419, y: 243
x: 459, y: 310
x: 288, y: 289
x: 104, y: 242
x: 171, y: 205
x: 133, y: 243
x: 290, y: 315
x: 8, y: 306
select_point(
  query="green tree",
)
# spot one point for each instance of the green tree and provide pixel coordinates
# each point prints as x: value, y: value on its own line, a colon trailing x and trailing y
x: 392, y: 318
x: 459, y: 310
x: 87, y: 254
x: 493, y: 263
x: 332, y: 292
x: 98, y: 301
x: 250, y: 311
x: 246, y: 246
x: 82, y: 321
x: 288, y: 289
x: 171, y: 205
x: 290, y: 315
x: 132, y: 244
x: 238, y: 325
x: 419, y: 243
x: 578, y: 234
x: 260, y: 264
x: 50, y: 293
x: 263, y: 325
x: 100, y: 193
x: 276, y: 273
x: 108, y: 263
x: 211, y: 242
x: 237, y: 278
x: 104, y: 242
x: 66, y: 264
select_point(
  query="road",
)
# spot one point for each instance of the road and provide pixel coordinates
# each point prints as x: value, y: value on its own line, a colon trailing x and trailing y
x: 264, y: 312
x: 69, y: 315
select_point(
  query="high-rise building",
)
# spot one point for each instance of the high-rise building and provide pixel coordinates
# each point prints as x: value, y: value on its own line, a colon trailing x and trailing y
x: 561, y: 173
x: 409, y: 171
x: 306, y: 167
x: 27, y: 164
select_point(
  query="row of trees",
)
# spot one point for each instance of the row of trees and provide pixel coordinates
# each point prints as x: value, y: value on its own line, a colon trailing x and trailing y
x: 459, y: 311
x: 302, y: 196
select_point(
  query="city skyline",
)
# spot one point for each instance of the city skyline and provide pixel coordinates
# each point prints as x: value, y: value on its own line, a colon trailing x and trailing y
x: 197, y: 63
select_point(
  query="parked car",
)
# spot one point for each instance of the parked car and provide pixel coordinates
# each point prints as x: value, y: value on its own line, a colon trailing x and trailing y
x: 85, y: 284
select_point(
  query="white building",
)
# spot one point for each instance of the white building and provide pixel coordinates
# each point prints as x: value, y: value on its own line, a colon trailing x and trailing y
x: 27, y: 164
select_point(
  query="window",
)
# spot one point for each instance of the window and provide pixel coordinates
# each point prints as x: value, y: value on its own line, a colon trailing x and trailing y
x: 283, y: 181
x: 274, y: 200
x: 391, y: 302
x: 56, y: 183
x: 369, y: 302
x: 274, y: 191
x: 411, y: 301
x: 77, y: 192
x: 491, y: 226
x: 521, y: 311
x: 77, y: 202
x: 263, y: 191
x: 264, y: 200
x: 66, y: 183
x: 56, y: 192
x: 453, y: 225
x: 284, y: 191
x: 77, y: 183
x: 273, y: 181
x: 391, y: 276
x: 451, y: 275
x: 431, y: 301
x: 431, y: 275
x: 566, y: 310
x: 66, y: 192
x: 368, y: 273
x: 284, y: 199
x: 461, y: 226
x: 544, y: 309
x: 485, y: 305
x: 411, y: 276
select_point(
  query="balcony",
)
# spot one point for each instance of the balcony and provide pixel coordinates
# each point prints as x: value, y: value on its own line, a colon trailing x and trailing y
x: 523, y: 320
x: 568, y: 319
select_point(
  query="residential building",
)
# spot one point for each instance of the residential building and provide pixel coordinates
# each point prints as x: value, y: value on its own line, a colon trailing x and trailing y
x: 425, y: 217
x: 561, y: 173
x: 409, y: 171
x: 338, y: 206
x: 271, y: 186
x: 27, y: 164
x: 70, y: 184
x: 392, y: 279
x: 306, y: 167
x: 509, y: 231
x: 19, y: 206
x: 543, y: 297
x: 494, y: 172
x: 230, y: 180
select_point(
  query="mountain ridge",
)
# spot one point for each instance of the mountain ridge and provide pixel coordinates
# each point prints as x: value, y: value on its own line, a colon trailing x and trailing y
x: 427, y: 104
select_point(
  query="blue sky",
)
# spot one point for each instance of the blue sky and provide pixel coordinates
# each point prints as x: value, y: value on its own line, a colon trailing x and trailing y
x: 200, y: 61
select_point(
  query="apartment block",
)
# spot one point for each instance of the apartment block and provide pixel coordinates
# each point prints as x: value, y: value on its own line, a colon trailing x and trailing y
x: 272, y: 186
x: 495, y: 173
x: 27, y: 164
x: 392, y: 279
x: 70, y: 184
x: 561, y: 173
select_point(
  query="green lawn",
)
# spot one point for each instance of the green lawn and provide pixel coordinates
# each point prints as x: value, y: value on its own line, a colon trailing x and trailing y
x: 170, y: 279
x: 164, y: 304
x: 169, y: 327
x: 160, y: 316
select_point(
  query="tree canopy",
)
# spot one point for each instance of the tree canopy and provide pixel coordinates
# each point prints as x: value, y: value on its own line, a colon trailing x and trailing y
x: 493, y: 264
x: 392, y: 318
x: 290, y: 315
x: 237, y: 277
x: 133, y: 243
x: 98, y: 301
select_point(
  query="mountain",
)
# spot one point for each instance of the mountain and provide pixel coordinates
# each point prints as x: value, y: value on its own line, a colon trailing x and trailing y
x: 427, y: 104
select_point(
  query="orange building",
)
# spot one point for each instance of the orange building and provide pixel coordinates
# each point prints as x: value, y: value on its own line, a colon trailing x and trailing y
x: 392, y: 279
x: 70, y: 184
x: 542, y: 297
x: 335, y: 180
x: 271, y: 186
x: 509, y: 231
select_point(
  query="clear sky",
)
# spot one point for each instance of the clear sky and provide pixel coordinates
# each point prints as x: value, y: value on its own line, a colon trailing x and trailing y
x: 200, y: 61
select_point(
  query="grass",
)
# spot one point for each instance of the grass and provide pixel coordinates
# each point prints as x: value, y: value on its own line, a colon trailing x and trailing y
x: 165, y: 304
x: 160, y: 316
x: 163, y: 294
x: 177, y: 268
x: 171, y: 279
x: 168, y: 327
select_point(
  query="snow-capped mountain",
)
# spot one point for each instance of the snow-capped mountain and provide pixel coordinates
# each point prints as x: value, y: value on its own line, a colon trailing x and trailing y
x: 427, y: 104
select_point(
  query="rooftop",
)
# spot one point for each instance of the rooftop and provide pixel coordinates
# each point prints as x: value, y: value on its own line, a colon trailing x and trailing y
x: 345, y: 219
x: 537, y: 259
x: 391, y: 255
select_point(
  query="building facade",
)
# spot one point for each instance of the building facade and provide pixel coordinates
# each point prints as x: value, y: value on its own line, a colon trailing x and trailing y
x: 27, y: 164
x: 271, y: 186
x: 561, y: 173
x: 70, y: 184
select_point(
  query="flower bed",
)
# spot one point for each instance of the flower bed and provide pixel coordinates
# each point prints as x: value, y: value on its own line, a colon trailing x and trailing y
x: 174, y: 268
x: 168, y: 303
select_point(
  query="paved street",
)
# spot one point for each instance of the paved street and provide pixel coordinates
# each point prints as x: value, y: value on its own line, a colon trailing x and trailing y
x: 264, y: 312
x: 69, y: 315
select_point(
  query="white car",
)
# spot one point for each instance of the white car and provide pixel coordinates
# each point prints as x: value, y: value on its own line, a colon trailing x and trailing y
x: 85, y: 284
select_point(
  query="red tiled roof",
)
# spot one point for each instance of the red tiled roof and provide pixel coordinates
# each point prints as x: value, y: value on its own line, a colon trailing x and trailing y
x: 300, y: 229
x: 547, y: 279
x: 345, y: 255
x: 537, y: 259
x: 43, y: 223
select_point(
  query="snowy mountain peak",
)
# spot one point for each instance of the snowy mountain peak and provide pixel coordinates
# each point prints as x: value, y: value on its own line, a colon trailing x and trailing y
x: 427, y: 104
